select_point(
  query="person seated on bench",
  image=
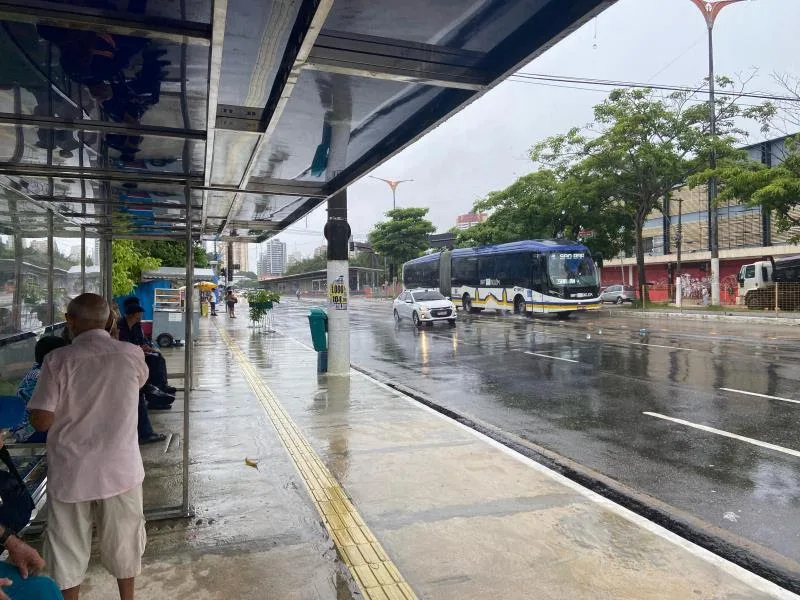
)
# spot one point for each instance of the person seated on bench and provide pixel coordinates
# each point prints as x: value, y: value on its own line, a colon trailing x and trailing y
x: 143, y: 426
x: 19, y: 577
x: 23, y: 432
x: 159, y: 392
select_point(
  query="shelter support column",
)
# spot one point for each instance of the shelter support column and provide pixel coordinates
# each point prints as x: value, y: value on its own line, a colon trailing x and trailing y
x: 83, y: 259
x: 229, y: 262
x: 188, y: 352
x: 51, y: 295
x: 337, y: 232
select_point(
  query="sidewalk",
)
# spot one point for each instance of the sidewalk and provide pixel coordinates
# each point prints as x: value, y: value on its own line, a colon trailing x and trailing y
x: 361, y: 488
x: 698, y: 314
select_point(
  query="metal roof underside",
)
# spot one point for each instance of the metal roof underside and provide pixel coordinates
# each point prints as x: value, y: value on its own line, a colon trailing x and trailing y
x: 123, y: 116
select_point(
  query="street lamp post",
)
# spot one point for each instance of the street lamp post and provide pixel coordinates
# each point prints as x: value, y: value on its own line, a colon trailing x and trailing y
x: 392, y: 183
x: 710, y: 10
x: 679, y: 244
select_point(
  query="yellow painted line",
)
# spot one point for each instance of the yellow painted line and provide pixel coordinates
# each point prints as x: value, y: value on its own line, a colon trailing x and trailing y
x: 370, y: 565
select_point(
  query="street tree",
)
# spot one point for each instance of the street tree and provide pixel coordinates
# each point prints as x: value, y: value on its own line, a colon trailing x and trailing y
x: 307, y: 265
x: 403, y: 236
x: 641, y: 146
x: 548, y: 205
x: 171, y: 253
x: 127, y: 266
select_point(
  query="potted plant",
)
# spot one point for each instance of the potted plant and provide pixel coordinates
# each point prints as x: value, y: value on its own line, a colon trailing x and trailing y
x: 261, y: 302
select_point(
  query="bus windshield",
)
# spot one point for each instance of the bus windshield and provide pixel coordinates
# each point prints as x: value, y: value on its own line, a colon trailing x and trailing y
x: 571, y: 268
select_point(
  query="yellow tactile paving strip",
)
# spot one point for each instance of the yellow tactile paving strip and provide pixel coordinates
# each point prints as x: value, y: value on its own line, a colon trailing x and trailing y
x: 376, y: 575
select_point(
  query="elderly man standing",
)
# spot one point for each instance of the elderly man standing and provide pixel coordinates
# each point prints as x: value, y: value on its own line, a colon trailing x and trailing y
x: 87, y: 400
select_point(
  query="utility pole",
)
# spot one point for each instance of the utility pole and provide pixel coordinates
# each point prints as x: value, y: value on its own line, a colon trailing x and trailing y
x: 679, y: 244
x: 393, y: 184
x: 710, y: 10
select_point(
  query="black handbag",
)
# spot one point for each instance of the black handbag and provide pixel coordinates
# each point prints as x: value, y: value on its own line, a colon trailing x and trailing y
x: 17, y: 506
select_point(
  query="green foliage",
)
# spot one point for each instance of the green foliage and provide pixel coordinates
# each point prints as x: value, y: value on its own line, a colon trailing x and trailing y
x: 31, y: 294
x: 546, y: 205
x: 638, y: 149
x: 171, y: 253
x: 308, y: 265
x: 776, y: 189
x: 404, y: 236
x: 261, y: 302
x: 127, y: 266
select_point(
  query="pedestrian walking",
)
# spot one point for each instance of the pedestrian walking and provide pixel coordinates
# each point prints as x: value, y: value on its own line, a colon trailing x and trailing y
x: 87, y: 400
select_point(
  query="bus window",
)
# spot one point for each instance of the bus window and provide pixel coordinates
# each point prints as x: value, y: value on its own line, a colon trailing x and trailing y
x: 514, y: 270
x: 486, y: 274
x: 538, y: 270
x: 465, y: 271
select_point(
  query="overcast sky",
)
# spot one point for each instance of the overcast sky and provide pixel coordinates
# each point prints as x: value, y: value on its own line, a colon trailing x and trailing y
x: 484, y: 147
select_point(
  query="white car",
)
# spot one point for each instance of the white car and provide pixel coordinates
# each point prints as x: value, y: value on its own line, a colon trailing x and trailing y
x: 424, y: 306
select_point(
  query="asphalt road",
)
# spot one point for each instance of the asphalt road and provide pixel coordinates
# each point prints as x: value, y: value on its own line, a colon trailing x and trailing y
x: 702, y: 416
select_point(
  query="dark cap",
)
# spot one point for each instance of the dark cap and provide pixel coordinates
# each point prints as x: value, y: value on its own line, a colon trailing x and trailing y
x: 133, y: 309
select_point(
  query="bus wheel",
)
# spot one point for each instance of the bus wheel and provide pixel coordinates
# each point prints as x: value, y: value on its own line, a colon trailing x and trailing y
x: 563, y: 316
x: 519, y: 305
x: 466, y: 304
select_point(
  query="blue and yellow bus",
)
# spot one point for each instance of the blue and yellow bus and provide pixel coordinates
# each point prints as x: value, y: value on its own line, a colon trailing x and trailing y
x: 533, y: 276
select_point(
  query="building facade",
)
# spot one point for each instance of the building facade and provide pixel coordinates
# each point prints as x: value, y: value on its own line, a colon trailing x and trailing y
x: 272, y: 260
x: 745, y: 234
x: 241, y: 252
x: 470, y: 219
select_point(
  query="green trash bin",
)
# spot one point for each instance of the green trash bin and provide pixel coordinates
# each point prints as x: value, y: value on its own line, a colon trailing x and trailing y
x: 318, y: 321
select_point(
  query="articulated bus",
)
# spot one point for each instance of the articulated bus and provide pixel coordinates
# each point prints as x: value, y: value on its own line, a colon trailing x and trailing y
x: 535, y: 276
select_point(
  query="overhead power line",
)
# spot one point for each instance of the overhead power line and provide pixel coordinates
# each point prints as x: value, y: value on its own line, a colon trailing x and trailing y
x: 572, y: 82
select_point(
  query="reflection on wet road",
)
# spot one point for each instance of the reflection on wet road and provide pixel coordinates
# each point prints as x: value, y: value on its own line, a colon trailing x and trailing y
x: 699, y: 415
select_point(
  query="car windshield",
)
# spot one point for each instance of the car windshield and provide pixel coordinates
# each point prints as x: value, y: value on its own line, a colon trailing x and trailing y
x: 427, y: 296
x: 571, y: 268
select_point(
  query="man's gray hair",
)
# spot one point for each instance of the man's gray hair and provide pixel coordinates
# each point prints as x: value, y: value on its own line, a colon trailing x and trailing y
x: 89, y: 309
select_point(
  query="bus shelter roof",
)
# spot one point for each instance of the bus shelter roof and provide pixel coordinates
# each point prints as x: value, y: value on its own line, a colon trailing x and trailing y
x: 234, y: 118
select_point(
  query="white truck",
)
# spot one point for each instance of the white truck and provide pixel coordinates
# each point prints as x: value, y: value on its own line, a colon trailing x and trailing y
x: 758, y: 281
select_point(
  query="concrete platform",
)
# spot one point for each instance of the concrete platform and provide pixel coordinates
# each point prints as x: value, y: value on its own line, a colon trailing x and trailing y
x: 361, y: 490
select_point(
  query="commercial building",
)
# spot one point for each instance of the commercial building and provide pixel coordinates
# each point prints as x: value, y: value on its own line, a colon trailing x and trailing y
x: 470, y: 219
x: 272, y: 260
x: 745, y: 234
x: 241, y: 251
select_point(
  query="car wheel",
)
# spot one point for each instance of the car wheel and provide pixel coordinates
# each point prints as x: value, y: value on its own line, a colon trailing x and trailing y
x: 396, y: 316
x: 415, y: 319
x: 619, y: 300
x: 165, y: 340
x: 452, y: 322
x: 519, y: 305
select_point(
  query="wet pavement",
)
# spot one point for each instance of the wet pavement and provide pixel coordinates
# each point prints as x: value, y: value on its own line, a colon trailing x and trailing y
x: 601, y: 390
x: 361, y: 491
x: 255, y: 533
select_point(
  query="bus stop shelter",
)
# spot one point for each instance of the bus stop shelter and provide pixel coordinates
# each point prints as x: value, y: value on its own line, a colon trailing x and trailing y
x: 217, y: 120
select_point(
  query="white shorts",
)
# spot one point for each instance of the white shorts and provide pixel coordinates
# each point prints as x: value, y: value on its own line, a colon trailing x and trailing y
x: 120, y: 527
